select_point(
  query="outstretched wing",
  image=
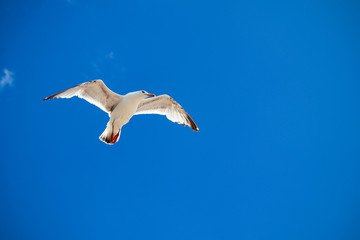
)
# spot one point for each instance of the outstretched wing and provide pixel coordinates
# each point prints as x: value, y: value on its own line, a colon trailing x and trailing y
x: 165, y: 105
x: 95, y: 92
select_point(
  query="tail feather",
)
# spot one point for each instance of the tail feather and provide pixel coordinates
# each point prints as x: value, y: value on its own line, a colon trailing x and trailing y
x: 109, y: 136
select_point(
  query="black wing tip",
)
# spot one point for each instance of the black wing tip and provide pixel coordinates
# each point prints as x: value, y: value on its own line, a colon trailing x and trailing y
x: 54, y: 95
x: 196, y: 129
x: 50, y: 97
x: 192, y: 124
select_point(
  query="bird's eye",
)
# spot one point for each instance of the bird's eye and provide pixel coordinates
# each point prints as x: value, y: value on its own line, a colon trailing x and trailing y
x: 143, y: 91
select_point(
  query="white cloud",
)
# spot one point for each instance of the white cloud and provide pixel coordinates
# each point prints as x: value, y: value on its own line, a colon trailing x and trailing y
x: 111, y: 55
x: 7, y: 79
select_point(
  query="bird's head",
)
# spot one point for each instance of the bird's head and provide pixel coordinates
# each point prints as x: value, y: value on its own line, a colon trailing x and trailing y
x: 145, y: 94
x: 139, y: 95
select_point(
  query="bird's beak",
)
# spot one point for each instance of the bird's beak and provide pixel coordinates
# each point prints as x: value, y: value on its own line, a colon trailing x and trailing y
x: 151, y: 95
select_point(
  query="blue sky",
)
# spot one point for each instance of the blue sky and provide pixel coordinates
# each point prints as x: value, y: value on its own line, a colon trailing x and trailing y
x: 273, y: 86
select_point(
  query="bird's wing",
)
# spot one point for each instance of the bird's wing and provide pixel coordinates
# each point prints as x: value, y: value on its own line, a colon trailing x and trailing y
x: 95, y: 92
x: 165, y: 105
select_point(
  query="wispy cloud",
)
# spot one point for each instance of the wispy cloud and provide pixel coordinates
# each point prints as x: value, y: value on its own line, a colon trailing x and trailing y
x: 71, y: 1
x: 7, y: 79
x: 111, y: 55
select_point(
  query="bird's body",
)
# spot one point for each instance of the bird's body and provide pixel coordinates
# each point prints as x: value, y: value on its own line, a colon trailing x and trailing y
x: 121, y: 115
x: 122, y: 108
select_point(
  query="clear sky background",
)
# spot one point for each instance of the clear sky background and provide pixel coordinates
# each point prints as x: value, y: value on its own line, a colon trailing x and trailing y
x: 273, y: 86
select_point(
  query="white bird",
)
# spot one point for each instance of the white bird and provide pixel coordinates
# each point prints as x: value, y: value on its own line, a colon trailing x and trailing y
x: 122, y: 108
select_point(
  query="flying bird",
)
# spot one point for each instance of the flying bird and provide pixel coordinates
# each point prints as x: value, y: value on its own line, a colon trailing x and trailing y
x: 121, y: 108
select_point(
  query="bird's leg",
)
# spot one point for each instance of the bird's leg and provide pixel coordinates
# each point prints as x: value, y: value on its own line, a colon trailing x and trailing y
x: 115, y: 138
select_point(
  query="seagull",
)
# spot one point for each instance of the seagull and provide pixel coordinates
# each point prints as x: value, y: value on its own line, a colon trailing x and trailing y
x: 121, y: 108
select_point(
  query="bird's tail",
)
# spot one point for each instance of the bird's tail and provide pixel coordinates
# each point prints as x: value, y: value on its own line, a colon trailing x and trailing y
x: 110, y: 135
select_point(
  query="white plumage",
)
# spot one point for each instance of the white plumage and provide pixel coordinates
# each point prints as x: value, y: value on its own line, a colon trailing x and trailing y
x: 122, y: 108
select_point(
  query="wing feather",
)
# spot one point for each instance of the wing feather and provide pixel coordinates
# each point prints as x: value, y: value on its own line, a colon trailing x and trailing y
x: 95, y: 92
x: 165, y: 105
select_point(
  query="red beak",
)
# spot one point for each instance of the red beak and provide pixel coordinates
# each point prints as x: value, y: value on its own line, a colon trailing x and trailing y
x: 151, y: 95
